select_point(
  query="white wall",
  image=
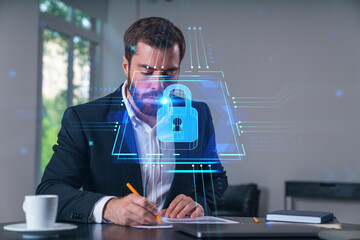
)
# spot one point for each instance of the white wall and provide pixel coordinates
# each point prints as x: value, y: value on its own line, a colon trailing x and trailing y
x: 263, y: 47
x: 18, y: 91
x: 121, y: 14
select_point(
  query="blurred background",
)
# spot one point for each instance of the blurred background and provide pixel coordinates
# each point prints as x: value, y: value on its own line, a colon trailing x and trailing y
x: 292, y: 69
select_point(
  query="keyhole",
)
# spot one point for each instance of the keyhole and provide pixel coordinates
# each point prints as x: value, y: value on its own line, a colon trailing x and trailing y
x: 177, y: 125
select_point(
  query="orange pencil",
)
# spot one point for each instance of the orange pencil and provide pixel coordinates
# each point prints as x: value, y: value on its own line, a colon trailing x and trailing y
x: 135, y: 192
x: 256, y: 220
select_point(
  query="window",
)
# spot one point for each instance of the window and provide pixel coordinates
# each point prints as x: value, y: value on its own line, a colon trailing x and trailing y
x: 56, y: 8
x: 70, y: 41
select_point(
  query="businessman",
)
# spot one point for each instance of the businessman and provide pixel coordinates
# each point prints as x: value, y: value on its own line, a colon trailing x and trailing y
x: 91, y: 182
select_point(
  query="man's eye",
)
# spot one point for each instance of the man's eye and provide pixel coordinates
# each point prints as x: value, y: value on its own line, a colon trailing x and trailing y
x: 170, y: 73
x: 147, y: 73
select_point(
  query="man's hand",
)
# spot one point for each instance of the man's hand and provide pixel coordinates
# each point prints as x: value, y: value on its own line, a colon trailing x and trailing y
x: 183, y: 206
x: 130, y: 210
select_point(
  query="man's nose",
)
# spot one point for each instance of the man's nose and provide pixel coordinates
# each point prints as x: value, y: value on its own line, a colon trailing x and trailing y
x: 157, y: 81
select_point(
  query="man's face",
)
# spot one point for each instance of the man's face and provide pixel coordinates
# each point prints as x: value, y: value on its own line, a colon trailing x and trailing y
x: 148, y: 65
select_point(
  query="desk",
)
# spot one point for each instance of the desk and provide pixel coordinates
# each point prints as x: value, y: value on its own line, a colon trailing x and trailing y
x: 111, y: 231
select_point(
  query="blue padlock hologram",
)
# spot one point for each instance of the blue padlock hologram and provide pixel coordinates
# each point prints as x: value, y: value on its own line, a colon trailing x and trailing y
x: 178, y: 124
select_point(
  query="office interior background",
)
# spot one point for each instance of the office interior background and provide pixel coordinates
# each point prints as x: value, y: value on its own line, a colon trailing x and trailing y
x: 292, y: 68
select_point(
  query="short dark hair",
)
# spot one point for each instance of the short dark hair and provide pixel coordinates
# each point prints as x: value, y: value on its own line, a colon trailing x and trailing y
x: 154, y: 31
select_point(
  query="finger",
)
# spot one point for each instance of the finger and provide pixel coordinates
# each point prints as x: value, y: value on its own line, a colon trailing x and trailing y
x: 136, y: 221
x: 130, y: 222
x: 151, y: 207
x: 162, y: 212
x: 193, y: 210
x: 145, y: 203
x: 173, y: 204
x: 181, y: 205
x: 187, y: 210
x: 140, y: 215
x: 144, y: 216
x: 197, y: 213
x: 127, y: 217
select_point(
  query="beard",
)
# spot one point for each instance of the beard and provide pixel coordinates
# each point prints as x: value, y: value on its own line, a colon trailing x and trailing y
x: 146, y: 107
x: 148, y: 103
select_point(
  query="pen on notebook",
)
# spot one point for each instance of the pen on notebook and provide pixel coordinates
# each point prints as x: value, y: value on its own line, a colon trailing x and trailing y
x: 256, y: 220
x: 135, y: 192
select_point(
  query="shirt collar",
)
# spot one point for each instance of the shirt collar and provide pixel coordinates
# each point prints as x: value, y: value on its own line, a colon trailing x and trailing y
x: 132, y: 115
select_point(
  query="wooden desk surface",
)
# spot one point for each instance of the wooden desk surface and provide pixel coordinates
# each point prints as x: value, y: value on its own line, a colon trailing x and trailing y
x: 111, y: 231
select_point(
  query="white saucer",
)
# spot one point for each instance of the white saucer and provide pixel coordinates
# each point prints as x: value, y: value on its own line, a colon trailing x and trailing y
x: 39, y: 233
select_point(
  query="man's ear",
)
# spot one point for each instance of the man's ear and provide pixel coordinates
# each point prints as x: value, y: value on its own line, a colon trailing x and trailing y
x: 125, y: 66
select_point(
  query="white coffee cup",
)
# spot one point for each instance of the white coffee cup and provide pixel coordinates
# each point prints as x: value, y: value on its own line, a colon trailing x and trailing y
x: 40, y: 211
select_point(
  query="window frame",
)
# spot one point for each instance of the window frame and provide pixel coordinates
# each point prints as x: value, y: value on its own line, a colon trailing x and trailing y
x: 48, y: 21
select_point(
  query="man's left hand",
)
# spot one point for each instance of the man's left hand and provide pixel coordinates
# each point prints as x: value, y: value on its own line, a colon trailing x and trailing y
x: 183, y: 206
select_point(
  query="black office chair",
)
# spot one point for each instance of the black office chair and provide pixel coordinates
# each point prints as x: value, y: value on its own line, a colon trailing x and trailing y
x: 319, y: 190
x: 239, y: 200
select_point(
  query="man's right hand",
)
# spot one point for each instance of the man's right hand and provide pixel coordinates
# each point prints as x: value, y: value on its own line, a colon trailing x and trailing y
x: 130, y: 210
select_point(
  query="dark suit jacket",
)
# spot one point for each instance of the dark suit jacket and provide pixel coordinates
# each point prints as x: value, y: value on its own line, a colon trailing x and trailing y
x: 82, y: 169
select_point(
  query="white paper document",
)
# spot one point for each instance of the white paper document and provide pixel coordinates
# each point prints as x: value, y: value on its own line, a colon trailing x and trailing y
x: 159, y: 225
x: 187, y: 220
x: 198, y: 220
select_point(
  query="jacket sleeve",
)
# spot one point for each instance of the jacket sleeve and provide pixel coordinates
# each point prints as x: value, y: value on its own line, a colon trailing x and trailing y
x: 67, y: 171
x: 210, y: 185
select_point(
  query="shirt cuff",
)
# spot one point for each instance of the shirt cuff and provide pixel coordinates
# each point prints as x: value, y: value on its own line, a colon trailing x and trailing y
x: 97, y: 211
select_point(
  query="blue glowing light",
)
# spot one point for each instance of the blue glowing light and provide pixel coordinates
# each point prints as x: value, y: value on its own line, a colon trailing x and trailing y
x: 164, y: 100
x: 260, y: 11
x: 182, y: 127
x: 91, y: 143
x: 192, y: 171
x: 339, y: 93
x: 132, y: 48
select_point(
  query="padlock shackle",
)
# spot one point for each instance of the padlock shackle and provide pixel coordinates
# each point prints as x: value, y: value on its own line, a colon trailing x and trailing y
x: 182, y: 87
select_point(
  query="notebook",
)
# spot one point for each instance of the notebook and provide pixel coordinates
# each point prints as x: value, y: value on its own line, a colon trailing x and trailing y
x: 299, y: 216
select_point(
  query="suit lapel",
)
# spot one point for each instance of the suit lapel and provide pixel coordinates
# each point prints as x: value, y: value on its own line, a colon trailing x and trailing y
x: 125, y: 142
x: 132, y: 163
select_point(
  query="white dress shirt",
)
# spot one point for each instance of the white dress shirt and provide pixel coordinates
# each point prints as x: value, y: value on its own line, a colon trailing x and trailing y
x: 156, y: 180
